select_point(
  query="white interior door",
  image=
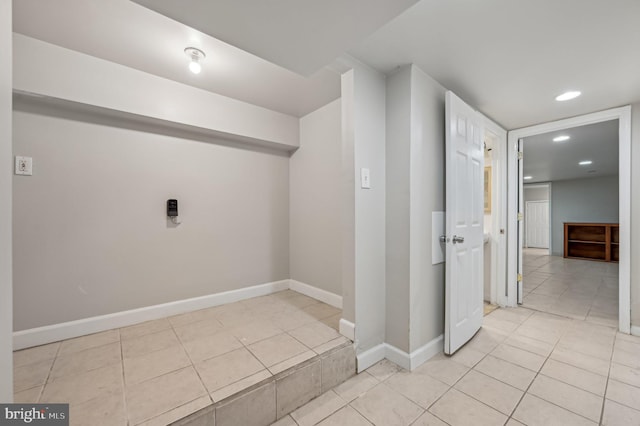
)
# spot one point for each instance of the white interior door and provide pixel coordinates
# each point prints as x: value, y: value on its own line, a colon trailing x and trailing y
x: 537, y: 221
x: 464, y: 223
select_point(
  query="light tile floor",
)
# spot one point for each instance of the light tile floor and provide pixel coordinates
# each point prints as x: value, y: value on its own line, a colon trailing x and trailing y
x: 579, y: 289
x: 522, y: 368
x: 159, y: 371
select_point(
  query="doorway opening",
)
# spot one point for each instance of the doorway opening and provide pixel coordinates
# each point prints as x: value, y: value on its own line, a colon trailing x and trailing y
x: 494, y: 219
x: 537, y: 216
x: 609, y: 201
x: 569, y: 267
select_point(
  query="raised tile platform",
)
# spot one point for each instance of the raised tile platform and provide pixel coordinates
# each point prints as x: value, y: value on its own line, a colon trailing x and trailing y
x: 245, y: 363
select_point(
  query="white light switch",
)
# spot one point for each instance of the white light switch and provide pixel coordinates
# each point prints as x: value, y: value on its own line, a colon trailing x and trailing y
x: 24, y: 166
x: 365, y: 179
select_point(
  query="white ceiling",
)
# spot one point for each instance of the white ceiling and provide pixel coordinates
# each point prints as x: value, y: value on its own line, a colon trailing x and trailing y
x: 507, y: 58
x: 510, y: 58
x: 129, y: 34
x: 545, y: 160
x: 301, y: 35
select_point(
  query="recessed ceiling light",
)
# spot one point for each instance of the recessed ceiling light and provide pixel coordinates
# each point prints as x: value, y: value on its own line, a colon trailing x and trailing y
x: 585, y: 162
x: 196, y: 55
x: 561, y: 138
x: 527, y: 177
x: 568, y: 95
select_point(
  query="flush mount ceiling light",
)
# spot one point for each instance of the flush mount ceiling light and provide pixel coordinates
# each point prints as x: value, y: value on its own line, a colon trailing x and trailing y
x: 585, y: 162
x: 561, y: 138
x: 196, y: 55
x: 527, y: 177
x: 568, y: 95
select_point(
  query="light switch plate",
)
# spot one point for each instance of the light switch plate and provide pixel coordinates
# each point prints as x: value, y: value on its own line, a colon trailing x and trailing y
x: 24, y: 166
x: 365, y: 179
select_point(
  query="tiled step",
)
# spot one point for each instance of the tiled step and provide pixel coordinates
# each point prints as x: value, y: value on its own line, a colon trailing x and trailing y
x: 281, y: 394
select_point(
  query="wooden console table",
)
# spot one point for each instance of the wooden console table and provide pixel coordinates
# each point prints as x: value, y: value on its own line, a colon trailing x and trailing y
x: 593, y: 241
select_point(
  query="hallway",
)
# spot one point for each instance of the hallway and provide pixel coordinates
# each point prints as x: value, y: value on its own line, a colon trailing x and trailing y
x: 522, y: 368
x: 579, y: 289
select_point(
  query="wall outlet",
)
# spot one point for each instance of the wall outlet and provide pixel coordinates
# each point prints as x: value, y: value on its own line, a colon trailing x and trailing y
x: 24, y: 166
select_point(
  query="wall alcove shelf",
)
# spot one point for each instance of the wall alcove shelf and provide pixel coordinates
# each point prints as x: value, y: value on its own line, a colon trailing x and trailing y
x: 593, y: 241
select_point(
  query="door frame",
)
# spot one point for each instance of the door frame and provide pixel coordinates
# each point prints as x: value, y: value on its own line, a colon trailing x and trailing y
x: 623, y: 115
x: 498, y: 238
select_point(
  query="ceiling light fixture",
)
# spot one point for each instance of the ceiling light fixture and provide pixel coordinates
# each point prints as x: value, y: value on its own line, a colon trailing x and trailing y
x: 196, y: 55
x: 568, y: 95
x: 585, y: 162
x: 561, y: 138
x: 527, y: 177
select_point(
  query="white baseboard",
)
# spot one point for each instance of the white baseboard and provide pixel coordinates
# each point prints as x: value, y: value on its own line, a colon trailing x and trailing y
x: 56, y: 332
x: 635, y: 330
x: 416, y: 358
x: 426, y: 352
x: 397, y: 356
x: 318, y: 294
x: 369, y: 357
x: 347, y: 329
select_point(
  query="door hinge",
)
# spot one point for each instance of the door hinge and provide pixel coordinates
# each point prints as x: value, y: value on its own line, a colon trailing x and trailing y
x: 520, y: 216
x: 520, y: 155
x: 519, y: 278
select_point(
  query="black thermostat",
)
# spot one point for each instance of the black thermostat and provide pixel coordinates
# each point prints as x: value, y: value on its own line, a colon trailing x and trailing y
x: 172, y: 208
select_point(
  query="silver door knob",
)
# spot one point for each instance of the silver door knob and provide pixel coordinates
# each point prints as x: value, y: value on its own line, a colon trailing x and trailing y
x: 457, y: 239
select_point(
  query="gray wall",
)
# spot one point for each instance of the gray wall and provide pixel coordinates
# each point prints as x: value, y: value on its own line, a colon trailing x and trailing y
x: 427, y: 195
x: 91, y: 236
x: 314, y: 204
x: 582, y: 200
x: 363, y: 220
x: 6, y: 169
x: 398, y: 207
x: 535, y: 194
x: 415, y: 188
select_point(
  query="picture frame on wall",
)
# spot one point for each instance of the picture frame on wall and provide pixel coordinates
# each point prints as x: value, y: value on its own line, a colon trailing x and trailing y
x: 487, y: 189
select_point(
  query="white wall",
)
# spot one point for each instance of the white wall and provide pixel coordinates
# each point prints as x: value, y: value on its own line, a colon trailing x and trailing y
x: 6, y: 170
x: 415, y: 188
x: 315, y: 201
x: 363, y: 103
x: 88, y: 80
x: 91, y: 235
x: 398, y: 203
x: 427, y: 196
x: 582, y: 200
x: 635, y: 213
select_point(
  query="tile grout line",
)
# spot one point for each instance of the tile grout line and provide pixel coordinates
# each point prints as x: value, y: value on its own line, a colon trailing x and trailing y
x: 535, y: 377
x: 552, y: 403
x: 46, y: 380
x: 124, y: 385
x: 606, y: 386
x: 193, y: 365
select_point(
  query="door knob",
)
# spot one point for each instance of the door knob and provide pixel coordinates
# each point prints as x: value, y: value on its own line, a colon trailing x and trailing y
x: 457, y: 239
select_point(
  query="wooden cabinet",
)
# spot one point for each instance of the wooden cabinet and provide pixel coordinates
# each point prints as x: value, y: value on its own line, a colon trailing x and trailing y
x: 594, y: 241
